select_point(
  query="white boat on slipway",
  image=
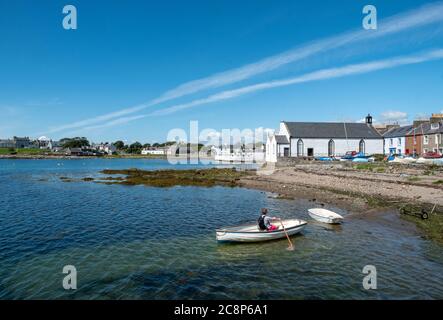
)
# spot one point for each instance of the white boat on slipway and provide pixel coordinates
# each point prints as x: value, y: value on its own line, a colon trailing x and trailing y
x: 252, y: 233
x: 325, y: 216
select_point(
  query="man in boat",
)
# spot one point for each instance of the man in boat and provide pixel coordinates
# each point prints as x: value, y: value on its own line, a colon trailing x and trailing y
x: 264, y: 222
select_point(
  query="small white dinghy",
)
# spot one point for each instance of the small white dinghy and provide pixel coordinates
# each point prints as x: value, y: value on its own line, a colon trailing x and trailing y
x: 325, y: 216
x: 252, y: 233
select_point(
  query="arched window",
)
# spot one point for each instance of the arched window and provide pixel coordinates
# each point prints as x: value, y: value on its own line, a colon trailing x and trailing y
x: 300, y: 147
x: 361, y: 146
x: 331, y: 148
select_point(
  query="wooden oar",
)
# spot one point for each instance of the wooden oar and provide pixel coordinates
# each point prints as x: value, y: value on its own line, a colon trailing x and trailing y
x: 291, y: 247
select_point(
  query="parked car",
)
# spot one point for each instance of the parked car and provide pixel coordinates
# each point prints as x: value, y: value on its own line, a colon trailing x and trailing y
x: 432, y: 155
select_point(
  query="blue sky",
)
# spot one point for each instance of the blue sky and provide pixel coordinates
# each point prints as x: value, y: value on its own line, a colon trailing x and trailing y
x: 59, y: 83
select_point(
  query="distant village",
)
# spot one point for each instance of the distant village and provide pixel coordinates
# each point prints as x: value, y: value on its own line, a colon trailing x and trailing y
x: 80, y: 146
x: 290, y: 140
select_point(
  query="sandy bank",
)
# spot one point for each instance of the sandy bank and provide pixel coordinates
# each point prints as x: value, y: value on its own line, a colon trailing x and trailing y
x: 355, y: 187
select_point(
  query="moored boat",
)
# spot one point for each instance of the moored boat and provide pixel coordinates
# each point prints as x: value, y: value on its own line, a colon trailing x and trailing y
x: 402, y: 159
x: 360, y: 160
x: 324, y: 215
x: 424, y: 160
x: 252, y: 233
x: 324, y: 159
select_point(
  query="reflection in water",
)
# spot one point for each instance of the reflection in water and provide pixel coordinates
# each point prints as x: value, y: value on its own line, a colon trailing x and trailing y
x: 149, y: 243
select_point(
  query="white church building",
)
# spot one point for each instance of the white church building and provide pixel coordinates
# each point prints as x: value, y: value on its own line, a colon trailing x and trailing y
x: 321, y: 139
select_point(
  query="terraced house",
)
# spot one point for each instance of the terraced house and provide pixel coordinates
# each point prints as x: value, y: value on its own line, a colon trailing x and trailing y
x: 415, y: 137
x: 16, y: 142
x: 395, y: 140
x: 432, y: 138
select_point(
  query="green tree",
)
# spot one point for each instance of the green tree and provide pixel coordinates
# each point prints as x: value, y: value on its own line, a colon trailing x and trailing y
x: 119, y: 144
x: 136, y: 148
x: 77, y: 142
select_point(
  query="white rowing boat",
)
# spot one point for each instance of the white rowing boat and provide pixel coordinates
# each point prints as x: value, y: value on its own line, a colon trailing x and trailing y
x: 325, y: 216
x: 251, y: 232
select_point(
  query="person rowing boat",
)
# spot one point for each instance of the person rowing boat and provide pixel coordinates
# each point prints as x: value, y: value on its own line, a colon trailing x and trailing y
x: 265, y: 222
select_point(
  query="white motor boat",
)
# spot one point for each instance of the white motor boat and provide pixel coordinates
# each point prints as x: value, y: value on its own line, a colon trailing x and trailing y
x: 409, y: 160
x: 404, y: 160
x: 424, y: 160
x: 325, y: 216
x: 252, y: 233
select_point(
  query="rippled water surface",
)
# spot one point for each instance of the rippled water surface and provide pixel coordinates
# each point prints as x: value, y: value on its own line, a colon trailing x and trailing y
x: 149, y: 243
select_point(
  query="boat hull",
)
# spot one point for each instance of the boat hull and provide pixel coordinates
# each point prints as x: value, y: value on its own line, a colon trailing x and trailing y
x: 223, y: 235
x: 333, y: 218
x: 326, y: 220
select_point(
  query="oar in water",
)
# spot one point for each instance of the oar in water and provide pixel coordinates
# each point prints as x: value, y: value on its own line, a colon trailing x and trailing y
x: 291, y: 247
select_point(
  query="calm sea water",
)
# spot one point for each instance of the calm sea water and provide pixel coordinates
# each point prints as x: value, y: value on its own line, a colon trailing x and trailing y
x: 136, y: 242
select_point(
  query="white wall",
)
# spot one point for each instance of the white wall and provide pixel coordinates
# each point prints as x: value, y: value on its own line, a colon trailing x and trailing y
x: 283, y: 131
x: 320, y: 146
x: 398, y: 143
x: 271, y: 149
x: 274, y: 150
x: 281, y: 149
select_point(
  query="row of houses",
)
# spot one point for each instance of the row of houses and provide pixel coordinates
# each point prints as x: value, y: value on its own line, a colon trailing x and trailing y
x: 16, y: 143
x: 333, y: 139
x: 27, y: 143
x: 55, y: 146
x: 421, y: 137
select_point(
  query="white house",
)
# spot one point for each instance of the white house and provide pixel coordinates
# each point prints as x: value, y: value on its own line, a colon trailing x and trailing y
x: 395, y: 140
x: 107, y: 148
x: 277, y: 146
x: 44, y: 142
x: 153, y: 151
x: 315, y: 139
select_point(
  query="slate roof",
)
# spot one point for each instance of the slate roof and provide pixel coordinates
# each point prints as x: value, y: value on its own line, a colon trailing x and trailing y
x: 398, y: 132
x: 332, y: 130
x: 422, y: 129
x: 281, y: 139
x: 430, y: 130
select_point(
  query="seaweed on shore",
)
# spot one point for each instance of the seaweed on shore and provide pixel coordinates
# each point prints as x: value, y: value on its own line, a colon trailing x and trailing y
x: 169, y: 178
x: 432, y: 225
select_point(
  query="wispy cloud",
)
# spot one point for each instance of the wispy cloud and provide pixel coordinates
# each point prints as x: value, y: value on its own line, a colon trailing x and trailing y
x: 394, y: 117
x: 422, y: 16
x: 319, y: 75
x: 313, y: 76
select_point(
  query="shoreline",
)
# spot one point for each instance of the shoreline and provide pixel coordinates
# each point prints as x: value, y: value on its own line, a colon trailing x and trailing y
x: 422, y: 186
x: 66, y: 157
x: 357, y: 189
x: 360, y: 192
x: 52, y: 157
